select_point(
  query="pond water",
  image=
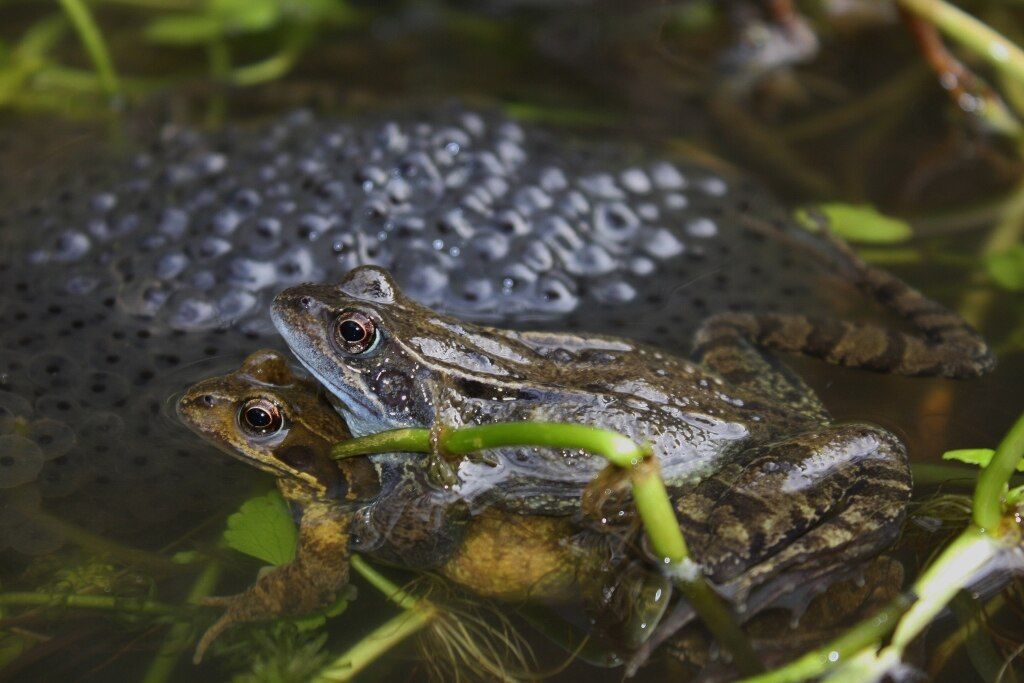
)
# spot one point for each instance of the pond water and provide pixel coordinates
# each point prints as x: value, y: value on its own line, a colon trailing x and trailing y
x: 143, y: 243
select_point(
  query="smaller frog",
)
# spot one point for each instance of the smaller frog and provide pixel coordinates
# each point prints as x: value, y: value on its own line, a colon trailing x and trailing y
x: 266, y: 416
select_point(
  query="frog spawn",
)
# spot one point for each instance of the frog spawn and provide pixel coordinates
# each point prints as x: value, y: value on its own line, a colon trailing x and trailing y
x: 129, y: 281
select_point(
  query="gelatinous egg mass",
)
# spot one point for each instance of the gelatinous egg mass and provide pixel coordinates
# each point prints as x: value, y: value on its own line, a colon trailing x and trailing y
x: 123, y: 282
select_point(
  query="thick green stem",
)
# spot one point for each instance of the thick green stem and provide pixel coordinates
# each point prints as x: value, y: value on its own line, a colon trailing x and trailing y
x: 650, y: 496
x: 865, y: 634
x: 992, y: 482
x: 416, y: 613
x: 383, y: 638
x: 1001, y: 53
x: 397, y: 595
x: 92, y: 39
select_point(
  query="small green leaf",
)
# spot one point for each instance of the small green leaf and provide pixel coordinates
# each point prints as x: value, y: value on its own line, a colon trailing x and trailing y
x: 263, y: 528
x: 1007, y: 268
x: 184, y: 29
x: 975, y: 456
x: 855, y: 223
x: 246, y: 16
x: 185, y: 557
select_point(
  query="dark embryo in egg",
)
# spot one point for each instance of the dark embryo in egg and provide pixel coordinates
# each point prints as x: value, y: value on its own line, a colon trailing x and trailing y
x: 126, y: 283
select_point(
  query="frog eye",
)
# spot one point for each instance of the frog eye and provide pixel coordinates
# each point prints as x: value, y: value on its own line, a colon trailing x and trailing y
x: 261, y: 417
x: 355, y: 332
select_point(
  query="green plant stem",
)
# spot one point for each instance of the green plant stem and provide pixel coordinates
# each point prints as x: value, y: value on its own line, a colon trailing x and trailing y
x: 392, y: 592
x: 416, y: 614
x: 951, y: 571
x: 277, y: 65
x: 383, y: 638
x: 109, y: 603
x: 94, y: 44
x: 992, y: 482
x: 649, y: 494
x: 180, y: 634
x: 865, y: 634
x: 1001, y: 53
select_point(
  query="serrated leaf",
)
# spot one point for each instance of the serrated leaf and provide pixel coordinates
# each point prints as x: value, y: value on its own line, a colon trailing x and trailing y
x: 263, y: 528
x: 856, y: 223
x: 976, y: 456
x: 1007, y: 268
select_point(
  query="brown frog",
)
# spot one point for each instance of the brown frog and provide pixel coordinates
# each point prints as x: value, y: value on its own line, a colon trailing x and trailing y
x: 770, y: 492
x: 269, y: 417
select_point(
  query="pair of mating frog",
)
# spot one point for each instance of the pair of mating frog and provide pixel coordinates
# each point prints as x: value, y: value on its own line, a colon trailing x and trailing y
x: 769, y: 492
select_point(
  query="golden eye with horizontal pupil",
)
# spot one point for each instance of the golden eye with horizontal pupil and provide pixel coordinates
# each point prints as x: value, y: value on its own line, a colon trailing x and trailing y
x: 260, y: 416
x: 355, y: 332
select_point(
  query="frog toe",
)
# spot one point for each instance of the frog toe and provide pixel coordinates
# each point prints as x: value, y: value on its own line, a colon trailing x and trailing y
x: 211, y: 634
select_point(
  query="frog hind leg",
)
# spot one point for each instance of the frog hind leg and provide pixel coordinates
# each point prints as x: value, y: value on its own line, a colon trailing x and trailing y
x: 310, y: 581
x: 830, y: 495
x: 738, y: 361
x: 789, y: 514
x: 942, y: 344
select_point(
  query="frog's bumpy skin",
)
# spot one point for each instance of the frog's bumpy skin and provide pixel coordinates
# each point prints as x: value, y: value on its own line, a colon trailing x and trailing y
x: 124, y: 285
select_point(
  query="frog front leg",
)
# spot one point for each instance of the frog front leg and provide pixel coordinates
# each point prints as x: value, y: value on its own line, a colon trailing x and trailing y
x: 310, y: 581
x: 787, y: 514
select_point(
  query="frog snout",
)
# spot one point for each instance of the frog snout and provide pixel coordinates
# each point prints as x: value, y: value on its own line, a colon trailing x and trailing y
x: 194, y: 402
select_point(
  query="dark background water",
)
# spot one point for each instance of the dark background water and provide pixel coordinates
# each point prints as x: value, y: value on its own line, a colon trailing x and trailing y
x: 864, y: 121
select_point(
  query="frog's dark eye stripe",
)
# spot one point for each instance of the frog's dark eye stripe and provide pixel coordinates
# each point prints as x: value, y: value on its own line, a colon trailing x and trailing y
x: 260, y: 416
x: 355, y: 332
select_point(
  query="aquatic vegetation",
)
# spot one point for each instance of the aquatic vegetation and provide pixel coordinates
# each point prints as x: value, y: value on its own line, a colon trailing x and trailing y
x: 848, y: 151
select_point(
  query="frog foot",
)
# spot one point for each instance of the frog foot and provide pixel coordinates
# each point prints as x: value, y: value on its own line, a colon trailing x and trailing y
x: 442, y: 467
x: 606, y: 499
x: 237, y: 609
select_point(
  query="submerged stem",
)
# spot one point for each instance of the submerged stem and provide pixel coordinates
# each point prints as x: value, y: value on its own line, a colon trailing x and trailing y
x: 179, y: 637
x: 380, y: 640
x: 992, y: 482
x: 1001, y: 53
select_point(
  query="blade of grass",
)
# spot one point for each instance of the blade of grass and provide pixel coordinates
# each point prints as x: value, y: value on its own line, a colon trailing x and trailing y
x: 92, y: 39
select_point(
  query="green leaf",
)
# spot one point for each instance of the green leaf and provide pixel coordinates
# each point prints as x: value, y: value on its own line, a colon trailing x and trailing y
x: 263, y: 528
x: 855, y: 223
x: 184, y: 29
x: 975, y: 456
x: 246, y: 16
x: 1007, y: 268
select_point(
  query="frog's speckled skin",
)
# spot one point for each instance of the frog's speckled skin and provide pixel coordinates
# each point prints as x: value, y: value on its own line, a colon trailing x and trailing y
x: 126, y: 280
x: 770, y: 491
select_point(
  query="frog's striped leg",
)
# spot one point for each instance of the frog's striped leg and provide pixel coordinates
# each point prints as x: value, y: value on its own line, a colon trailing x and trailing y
x: 785, y: 515
x: 742, y: 364
x: 319, y: 570
x: 942, y: 344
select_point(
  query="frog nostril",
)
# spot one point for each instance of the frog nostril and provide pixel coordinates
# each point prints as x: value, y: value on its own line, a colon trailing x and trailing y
x: 208, y: 400
x: 306, y: 302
